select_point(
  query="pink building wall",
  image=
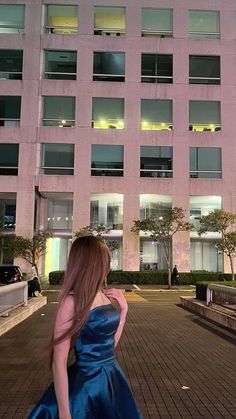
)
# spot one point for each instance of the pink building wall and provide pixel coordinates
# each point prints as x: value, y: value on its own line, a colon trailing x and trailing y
x: 31, y: 133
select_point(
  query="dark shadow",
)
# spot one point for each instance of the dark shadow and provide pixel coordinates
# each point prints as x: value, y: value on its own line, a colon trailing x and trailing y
x: 212, y: 326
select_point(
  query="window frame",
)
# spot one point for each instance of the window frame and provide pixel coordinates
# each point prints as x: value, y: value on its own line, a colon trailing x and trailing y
x: 10, y: 170
x: 115, y: 32
x: 106, y: 170
x: 61, y: 29
x: 73, y: 75
x: 13, y: 121
x: 108, y: 76
x: 216, y: 79
x: 44, y: 167
x: 194, y: 174
x: 157, y: 173
x: 158, y: 32
x: 156, y: 78
x: 9, y: 73
x: 202, y: 34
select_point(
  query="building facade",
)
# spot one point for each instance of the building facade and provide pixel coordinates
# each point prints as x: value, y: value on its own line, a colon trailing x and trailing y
x: 111, y: 111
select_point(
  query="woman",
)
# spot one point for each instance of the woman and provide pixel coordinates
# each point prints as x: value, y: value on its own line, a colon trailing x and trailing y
x: 94, y: 387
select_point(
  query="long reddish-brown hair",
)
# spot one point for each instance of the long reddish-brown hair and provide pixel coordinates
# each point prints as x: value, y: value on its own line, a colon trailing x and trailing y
x: 87, y: 267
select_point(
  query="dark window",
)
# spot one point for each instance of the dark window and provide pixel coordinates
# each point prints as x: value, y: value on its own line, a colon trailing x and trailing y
x: 157, y: 22
x: 59, y: 111
x: 10, y: 107
x: 11, y: 64
x: 204, y: 69
x: 157, y: 68
x: 60, y: 65
x: 156, y: 162
x: 9, y: 159
x: 109, y: 66
x: 107, y: 160
x: 7, y: 213
x: 205, y: 162
x: 57, y: 159
x: 109, y: 21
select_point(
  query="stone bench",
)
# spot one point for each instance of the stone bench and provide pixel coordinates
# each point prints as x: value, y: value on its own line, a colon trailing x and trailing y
x: 220, y: 294
x: 12, y: 296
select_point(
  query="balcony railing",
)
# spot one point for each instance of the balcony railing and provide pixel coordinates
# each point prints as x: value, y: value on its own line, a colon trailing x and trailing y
x: 159, y: 33
x: 60, y: 170
x: 198, y: 80
x: 108, y: 123
x: 167, y: 173
x: 61, y: 123
x: 210, y: 174
x: 105, y: 171
x: 210, y: 35
x: 58, y: 75
x: 156, y: 79
x: 204, y: 127
x: 108, y: 77
x: 10, y: 75
x: 11, y: 29
x: 8, y: 170
x: 9, y: 122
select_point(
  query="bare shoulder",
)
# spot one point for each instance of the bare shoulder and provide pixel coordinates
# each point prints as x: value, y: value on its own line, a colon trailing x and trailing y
x: 67, y: 307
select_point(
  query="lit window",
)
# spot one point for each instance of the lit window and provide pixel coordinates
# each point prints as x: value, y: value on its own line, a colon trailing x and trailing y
x: 108, y: 113
x: 109, y: 66
x: 12, y: 18
x: 60, y: 65
x: 11, y: 64
x: 9, y: 159
x: 61, y: 20
x: 156, y: 162
x: 204, y: 24
x: 157, y: 68
x: 204, y: 115
x: 60, y: 212
x: 205, y: 162
x: 157, y: 22
x: 109, y: 21
x: 10, y: 109
x: 107, y: 209
x: 107, y: 160
x: 57, y: 159
x: 156, y: 114
x: 204, y: 69
x: 59, y: 111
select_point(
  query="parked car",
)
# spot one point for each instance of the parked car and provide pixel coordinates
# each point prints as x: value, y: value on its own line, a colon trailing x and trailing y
x: 10, y: 274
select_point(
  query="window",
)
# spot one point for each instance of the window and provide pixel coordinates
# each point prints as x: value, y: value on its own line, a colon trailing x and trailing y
x: 156, y: 114
x: 204, y: 115
x: 10, y: 107
x: 154, y: 206
x: 11, y: 64
x: 107, y: 209
x: 204, y: 24
x: 157, y: 68
x: 59, y: 111
x: 107, y: 160
x: 204, y: 69
x: 12, y: 18
x: 157, y: 22
x: 8, y: 211
x: 156, y: 162
x: 108, y: 113
x: 203, y: 205
x: 61, y: 20
x: 60, y: 65
x: 109, y: 66
x: 59, y: 213
x: 205, y: 162
x: 9, y: 159
x: 57, y: 159
x: 109, y: 21
x: 205, y: 256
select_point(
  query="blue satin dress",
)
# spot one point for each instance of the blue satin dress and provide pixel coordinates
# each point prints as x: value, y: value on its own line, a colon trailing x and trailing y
x: 97, y: 386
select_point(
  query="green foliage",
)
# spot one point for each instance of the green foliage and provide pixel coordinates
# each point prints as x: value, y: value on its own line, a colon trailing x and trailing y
x: 201, y: 288
x: 222, y: 222
x: 99, y: 231
x: 28, y: 249
x: 150, y: 277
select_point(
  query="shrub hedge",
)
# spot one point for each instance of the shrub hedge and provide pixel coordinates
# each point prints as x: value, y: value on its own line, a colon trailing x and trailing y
x: 201, y: 288
x: 150, y: 277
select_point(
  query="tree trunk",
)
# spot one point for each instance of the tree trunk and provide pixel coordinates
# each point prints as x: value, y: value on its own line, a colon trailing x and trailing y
x: 169, y: 277
x: 232, y: 266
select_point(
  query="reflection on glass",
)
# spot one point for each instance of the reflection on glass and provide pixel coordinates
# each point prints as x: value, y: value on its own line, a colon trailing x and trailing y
x: 12, y: 18
x: 157, y: 68
x: 204, y: 69
x: 62, y: 20
x: 60, y: 65
x: 109, y: 21
x: 108, y: 113
x: 156, y: 114
x: 9, y: 159
x: 57, y: 159
x: 204, y: 115
x: 10, y: 108
x: 11, y: 64
x: 205, y: 162
x: 157, y: 22
x: 107, y: 160
x: 109, y: 66
x: 204, y: 24
x: 59, y: 111
x: 156, y: 162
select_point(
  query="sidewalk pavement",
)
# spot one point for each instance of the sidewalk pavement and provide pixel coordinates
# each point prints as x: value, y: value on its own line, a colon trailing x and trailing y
x: 178, y: 365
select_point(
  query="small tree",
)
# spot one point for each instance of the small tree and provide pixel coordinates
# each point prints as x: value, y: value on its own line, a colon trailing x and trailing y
x: 224, y: 223
x: 162, y: 229
x: 28, y: 249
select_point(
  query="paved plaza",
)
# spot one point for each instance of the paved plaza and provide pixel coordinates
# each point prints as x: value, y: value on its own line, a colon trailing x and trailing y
x: 178, y: 365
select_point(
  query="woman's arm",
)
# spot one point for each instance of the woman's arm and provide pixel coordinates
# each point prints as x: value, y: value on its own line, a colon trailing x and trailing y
x: 60, y: 356
x: 118, y: 296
